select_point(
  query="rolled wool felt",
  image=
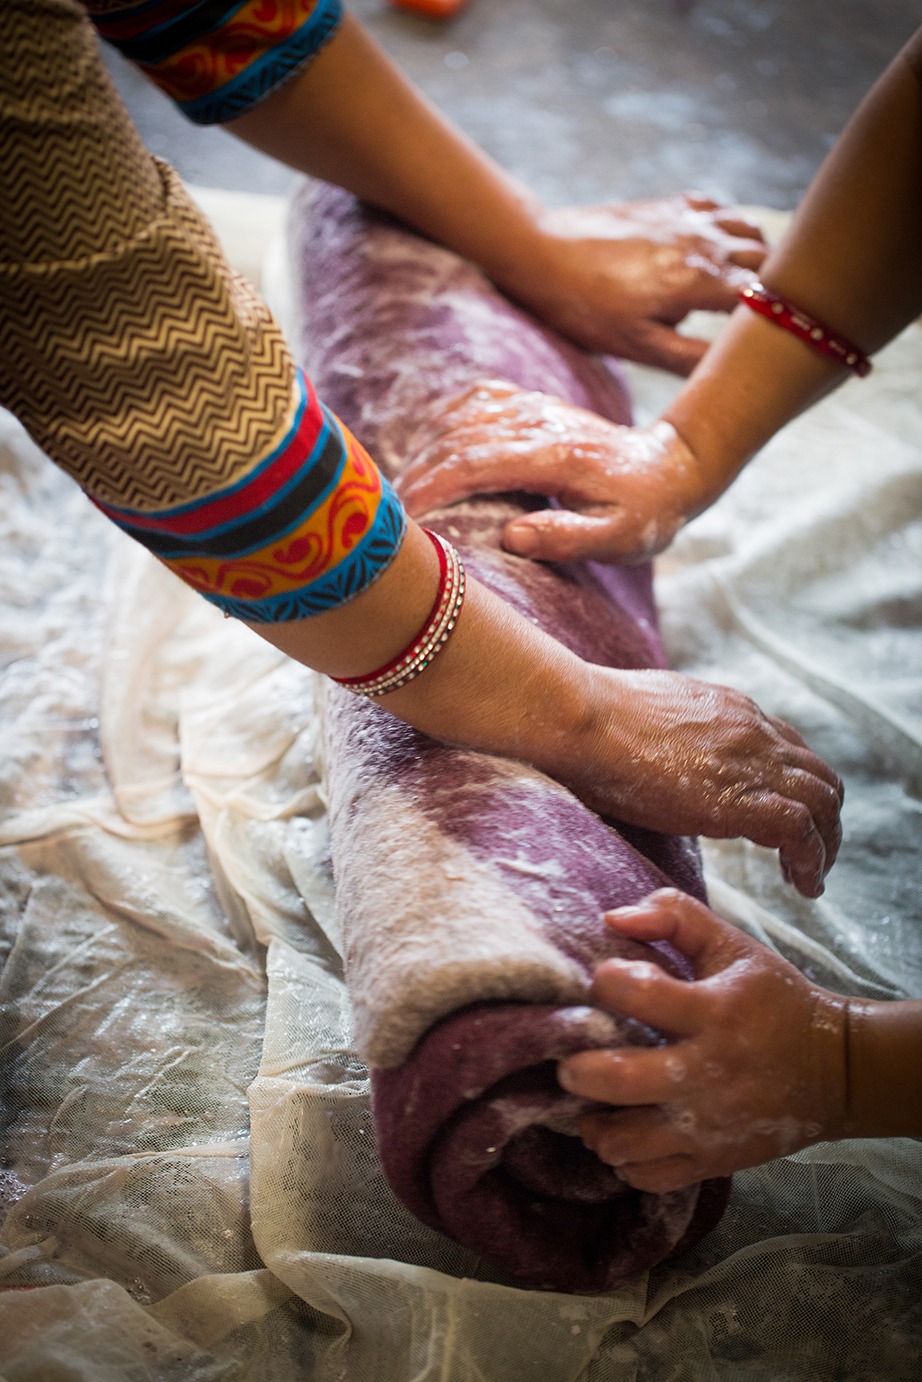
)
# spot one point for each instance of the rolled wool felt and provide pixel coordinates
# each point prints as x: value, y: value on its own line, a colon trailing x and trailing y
x: 471, y: 889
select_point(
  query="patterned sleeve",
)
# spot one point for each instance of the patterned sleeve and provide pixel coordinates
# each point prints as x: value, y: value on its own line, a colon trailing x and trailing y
x: 217, y: 58
x: 150, y: 371
x: 306, y: 528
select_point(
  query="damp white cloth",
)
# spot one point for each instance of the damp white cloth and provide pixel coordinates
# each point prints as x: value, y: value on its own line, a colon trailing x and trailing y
x: 189, y: 1178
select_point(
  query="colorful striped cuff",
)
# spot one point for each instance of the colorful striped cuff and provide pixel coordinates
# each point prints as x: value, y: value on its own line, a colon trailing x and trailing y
x: 311, y: 526
x: 218, y: 58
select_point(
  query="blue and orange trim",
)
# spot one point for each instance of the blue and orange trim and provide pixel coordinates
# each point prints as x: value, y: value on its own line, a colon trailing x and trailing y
x: 311, y: 526
x: 218, y: 59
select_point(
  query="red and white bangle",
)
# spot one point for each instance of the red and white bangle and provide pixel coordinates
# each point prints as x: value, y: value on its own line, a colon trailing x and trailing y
x: 814, y: 333
x: 432, y: 638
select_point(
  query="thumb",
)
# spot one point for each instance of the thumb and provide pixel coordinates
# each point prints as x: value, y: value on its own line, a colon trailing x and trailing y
x: 560, y: 535
x: 670, y: 915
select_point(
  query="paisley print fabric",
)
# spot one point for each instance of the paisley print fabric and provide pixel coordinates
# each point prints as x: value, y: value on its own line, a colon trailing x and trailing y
x: 218, y: 58
x: 309, y: 527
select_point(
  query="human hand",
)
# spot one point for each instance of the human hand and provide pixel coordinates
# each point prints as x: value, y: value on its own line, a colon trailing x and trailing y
x: 619, y: 278
x: 755, y: 1069
x: 672, y: 753
x: 627, y: 490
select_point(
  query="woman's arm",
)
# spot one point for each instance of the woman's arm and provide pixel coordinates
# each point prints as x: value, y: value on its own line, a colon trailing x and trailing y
x: 853, y: 258
x: 192, y: 428
x: 614, y: 278
x: 653, y: 748
x: 762, y: 1061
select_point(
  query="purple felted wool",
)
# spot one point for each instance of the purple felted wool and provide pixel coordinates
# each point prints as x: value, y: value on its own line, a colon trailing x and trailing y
x: 470, y: 888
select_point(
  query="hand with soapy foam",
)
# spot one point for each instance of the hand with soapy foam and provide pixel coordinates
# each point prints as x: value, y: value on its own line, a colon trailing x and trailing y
x: 626, y: 490
x: 758, y: 1063
x: 670, y: 752
x: 755, y: 1065
x: 619, y: 278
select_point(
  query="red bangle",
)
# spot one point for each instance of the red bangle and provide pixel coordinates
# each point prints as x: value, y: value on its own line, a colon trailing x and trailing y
x: 812, y: 332
x: 433, y: 636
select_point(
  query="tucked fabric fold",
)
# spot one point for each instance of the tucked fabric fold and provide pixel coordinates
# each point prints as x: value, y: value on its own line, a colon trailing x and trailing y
x: 471, y: 889
x: 478, y: 1140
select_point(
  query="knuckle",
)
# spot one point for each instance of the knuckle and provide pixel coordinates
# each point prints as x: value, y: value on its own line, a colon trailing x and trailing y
x: 653, y: 1178
x: 723, y: 1009
x: 826, y: 811
x: 797, y: 818
x: 673, y: 897
x: 647, y: 973
x: 608, y: 1147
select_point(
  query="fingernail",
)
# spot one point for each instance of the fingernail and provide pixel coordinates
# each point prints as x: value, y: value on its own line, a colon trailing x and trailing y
x: 522, y: 542
x: 565, y: 1080
x: 631, y: 909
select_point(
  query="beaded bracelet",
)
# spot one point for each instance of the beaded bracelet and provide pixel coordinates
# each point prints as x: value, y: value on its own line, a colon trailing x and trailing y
x: 434, y: 635
x: 814, y: 333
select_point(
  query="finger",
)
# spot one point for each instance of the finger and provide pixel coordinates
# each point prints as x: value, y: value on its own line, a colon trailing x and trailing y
x: 483, y: 394
x: 559, y: 535
x: 808, y: 760
x: 623, y: 1136
x: 700, y: 201
x: 795, y: 780
x: 716, y: 288
x: 663, y: 347
x: 824, y: 804
x: 748, y: 256
x: 723, y: 248
x: 643, y: 990
x: 801, y: 775
x: 739, y: 227
x: 670, y: 915
x: 671, y: 1173
x: 779, y: 823
x: 423, y: 487
x: 808, y: 880
x: 626, y: 1077
x: 787, y: 731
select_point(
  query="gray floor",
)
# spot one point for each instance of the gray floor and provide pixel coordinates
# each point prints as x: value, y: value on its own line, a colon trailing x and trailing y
x: 593, y: 99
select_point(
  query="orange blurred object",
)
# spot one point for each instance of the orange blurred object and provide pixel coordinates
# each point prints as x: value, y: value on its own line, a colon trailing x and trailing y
x: 432, y: 9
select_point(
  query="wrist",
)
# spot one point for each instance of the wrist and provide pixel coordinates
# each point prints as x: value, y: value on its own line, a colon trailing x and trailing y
x: 827, y: 1054
x: 752, y: 381
x: 713, y: 458
x: 502, y: 686
x: 690, y: 486
x: 541, y: 271
x: 600, y: 750
x: 884, y: 1069
x: 525, y: 265
x: 569, y: 753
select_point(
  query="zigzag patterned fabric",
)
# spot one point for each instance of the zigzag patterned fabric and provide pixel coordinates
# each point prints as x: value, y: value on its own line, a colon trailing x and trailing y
x: 304, y: 531
x: 149, y: 370
x: 217, y: 58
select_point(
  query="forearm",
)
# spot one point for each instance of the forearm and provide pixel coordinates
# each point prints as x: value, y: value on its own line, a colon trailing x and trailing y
x: 615, y: 279
x: 352, y: 118
x: 649, y: 747
x: 500, y: 684
x: 852, y: 259
x: 884, y: 1069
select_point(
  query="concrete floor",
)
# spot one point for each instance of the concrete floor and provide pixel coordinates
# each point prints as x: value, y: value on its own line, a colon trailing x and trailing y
x: 593, y: 99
